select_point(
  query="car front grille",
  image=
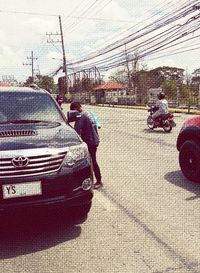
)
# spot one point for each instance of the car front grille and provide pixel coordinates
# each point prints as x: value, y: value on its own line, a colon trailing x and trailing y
x: 39, y: 164
x: 17, y: 133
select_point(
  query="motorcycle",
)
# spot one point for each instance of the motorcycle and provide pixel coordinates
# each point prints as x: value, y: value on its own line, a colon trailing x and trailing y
x: 165, y: 121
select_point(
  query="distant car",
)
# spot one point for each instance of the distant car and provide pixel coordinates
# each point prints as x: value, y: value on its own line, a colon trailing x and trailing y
x: 43, y: 161
x: 59, y: 99
x: 188, y: 145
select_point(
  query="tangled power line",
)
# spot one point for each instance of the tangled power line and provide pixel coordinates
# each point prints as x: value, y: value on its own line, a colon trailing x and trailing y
x: 173, y: 24
x: 153, y: 38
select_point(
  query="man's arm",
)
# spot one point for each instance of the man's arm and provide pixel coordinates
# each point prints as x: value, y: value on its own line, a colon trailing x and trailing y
x: 79, y: 125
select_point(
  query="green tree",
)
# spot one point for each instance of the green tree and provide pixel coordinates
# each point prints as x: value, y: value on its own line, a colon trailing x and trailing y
x: 45, y: 82
x: 180, y: 91
x: 195, y: 81
x: 186, y: 91
x: 28, y: 81
x: 170, y: 89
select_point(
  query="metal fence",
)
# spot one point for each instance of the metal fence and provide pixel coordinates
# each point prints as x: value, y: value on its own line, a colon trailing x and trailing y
x: 129, y: 100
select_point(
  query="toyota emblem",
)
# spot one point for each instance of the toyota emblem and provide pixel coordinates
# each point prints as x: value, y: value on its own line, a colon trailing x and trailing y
x: 20, y: 161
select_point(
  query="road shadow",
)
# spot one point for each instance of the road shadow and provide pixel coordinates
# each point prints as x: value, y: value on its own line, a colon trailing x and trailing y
x: 31, y: 232
x: 143, y: 120
x: 178, y: 179
x: 154, y: 131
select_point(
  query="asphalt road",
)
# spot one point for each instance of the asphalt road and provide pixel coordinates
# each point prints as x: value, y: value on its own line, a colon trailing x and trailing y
x: 144, y: 220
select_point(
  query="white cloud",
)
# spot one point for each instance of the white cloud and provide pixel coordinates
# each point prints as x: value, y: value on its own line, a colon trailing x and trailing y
x: 21, y: 33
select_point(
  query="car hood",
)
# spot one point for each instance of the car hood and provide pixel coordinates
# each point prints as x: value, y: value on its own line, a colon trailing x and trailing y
x: 195, y: 121
x: 32, y: 136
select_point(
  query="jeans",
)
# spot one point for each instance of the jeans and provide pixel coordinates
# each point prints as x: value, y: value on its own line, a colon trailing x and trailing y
x: 92, y: 150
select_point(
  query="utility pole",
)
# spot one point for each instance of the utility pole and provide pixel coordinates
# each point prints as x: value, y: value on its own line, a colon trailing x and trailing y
x: 32, y: 58
x: 61, y: 40
x: 135, y: 64
x: 37, y: 71
x: 128, y: 70
x: 64, y: 57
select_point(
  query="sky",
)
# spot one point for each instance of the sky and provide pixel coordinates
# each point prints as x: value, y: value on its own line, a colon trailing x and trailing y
x: 88, y: 26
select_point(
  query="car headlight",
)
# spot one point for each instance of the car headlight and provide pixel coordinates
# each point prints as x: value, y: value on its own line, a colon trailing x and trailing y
x: 75, y: 154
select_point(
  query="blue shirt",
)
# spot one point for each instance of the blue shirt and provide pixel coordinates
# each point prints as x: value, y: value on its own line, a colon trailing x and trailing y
x: 162, y: 106
x: 87, y: 129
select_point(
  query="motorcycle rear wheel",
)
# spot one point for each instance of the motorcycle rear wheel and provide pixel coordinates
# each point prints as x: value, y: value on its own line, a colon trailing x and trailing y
x: 172, y: 123
x: 150, y: 122
x: 167, y: 126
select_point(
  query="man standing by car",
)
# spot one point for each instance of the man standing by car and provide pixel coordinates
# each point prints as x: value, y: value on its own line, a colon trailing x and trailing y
x: 87, y: 129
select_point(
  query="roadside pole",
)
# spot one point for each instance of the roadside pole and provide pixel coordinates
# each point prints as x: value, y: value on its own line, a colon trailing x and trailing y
x: 177, y: 95
x: 64, y: 57
x: 64, y: 65
x: 32, y: 58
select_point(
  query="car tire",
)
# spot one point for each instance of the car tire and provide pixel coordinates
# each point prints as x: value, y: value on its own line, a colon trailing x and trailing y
x: 189, y: 160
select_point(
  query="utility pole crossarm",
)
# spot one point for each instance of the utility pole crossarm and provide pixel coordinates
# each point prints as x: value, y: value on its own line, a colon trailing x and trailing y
x: 49, y: 40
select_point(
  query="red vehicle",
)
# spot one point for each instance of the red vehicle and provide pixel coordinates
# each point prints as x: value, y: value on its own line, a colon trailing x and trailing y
x: 188, y: 145
x: 59, y: 100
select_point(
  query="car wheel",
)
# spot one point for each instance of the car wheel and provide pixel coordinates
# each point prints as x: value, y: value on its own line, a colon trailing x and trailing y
x: 189, y: 160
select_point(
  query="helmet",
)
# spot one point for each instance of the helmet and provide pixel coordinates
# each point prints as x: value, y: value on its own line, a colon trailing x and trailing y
x: 161, y: 95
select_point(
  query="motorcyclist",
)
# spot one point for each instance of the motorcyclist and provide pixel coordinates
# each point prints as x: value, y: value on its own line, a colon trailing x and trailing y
x: 161, y: 105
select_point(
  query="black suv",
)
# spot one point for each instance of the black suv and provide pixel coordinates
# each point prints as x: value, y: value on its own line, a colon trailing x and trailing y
x: 43, y: 161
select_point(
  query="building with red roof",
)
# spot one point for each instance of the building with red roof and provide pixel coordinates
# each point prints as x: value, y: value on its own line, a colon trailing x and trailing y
x: 110, y: 86
x: 109, y: 92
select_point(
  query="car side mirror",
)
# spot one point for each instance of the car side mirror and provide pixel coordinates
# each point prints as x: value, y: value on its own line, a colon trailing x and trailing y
x: 73, y: 115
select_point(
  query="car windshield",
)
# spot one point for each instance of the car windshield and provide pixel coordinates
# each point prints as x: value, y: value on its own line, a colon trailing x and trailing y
x: 28, y: 107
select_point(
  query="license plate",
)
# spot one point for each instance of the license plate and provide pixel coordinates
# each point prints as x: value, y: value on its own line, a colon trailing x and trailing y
x: 22, y: 189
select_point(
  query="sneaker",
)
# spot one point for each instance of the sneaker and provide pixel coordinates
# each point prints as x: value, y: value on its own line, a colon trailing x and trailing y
x: 98, y: 185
